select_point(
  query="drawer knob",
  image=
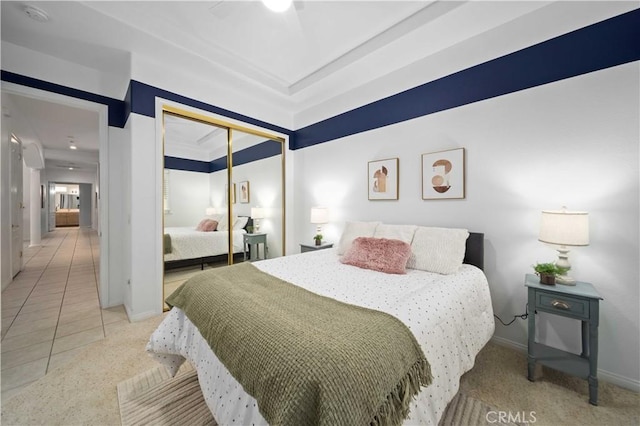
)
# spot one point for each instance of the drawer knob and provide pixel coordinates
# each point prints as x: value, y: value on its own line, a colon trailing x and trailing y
x: 559, y: 304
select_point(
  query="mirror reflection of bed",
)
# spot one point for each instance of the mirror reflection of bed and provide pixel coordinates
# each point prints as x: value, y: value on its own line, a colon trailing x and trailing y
x: 199, y: 188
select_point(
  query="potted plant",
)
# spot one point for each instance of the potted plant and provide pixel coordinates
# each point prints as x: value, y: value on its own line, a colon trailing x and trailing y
x: 318, y: 239
x: 548, y: 271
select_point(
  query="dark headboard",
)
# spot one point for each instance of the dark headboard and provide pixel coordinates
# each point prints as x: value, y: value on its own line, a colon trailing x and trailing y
x: 249, y: 223
x: 474, y: 255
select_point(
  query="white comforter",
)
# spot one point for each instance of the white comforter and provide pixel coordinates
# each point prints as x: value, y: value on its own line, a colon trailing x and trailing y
x: 187, y: 243
x: 450, y: 315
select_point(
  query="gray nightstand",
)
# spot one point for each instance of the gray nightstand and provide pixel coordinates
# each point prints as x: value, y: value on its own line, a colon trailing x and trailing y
x: 255, y: 240
x: 580, y: 302
x: 312, y: 247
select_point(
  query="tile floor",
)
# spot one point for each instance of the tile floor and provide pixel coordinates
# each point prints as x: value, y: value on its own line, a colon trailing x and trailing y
x: 51, y: 310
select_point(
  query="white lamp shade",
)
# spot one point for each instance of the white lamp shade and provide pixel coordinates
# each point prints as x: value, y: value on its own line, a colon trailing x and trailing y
x: 257, y: 213
x: 319, y: 215
x: 277, y: 5
x: 564, y: 228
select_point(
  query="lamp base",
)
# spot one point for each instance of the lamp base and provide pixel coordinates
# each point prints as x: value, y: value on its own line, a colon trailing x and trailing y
x: 565, y: 280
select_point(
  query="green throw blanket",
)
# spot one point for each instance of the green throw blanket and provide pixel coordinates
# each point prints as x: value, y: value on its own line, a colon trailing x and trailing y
x: 306, y: 359
x: 167, y: 244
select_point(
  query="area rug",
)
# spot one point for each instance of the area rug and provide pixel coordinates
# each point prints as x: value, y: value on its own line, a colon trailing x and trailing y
x: 155, y: 398
x: 468, y: 411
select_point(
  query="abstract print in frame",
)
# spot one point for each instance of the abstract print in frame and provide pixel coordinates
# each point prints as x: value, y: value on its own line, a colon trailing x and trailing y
x: 382, y: 179
x: 443, y: 174
x: 244, y: 191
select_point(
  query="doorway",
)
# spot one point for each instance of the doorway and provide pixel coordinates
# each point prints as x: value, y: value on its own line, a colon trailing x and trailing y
x: 71, y: 204
x: 76, y: 144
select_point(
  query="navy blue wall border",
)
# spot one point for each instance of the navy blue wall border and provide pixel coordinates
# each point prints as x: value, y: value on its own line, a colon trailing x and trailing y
x: 117, y: 117
x: 599, y: 46
x: 605, y: 44
x: 175, y: 163
x: 261, y: 151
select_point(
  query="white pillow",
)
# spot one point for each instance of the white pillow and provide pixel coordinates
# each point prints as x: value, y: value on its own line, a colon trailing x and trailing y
x: 223, y: 223
x: 438, y: 250
x: 240, y: 222
x: 395, y: 232
x: 353, y: 230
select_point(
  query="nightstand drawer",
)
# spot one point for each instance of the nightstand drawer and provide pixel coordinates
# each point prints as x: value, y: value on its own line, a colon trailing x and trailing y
x: 570, y: 306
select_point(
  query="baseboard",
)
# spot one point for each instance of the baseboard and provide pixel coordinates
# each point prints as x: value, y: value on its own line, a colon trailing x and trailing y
x: 501, y: 341
x: 618, y: 380
x: 604, y: 375
x: 139, y: 317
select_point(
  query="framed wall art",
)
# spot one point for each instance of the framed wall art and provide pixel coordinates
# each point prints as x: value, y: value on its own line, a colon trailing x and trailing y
x: 443, y: 175
x: 382, y: 179
x: 244, y: 191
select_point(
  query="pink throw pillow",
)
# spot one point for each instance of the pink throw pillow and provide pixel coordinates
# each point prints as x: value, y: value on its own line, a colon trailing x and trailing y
x: 378, y: 254
x: 207, y: 225
x: 200, y: 226
x: 210, y: 226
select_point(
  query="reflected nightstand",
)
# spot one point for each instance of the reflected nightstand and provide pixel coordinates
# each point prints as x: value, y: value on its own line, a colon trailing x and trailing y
x: 254, y: 240
x: 312, y: 247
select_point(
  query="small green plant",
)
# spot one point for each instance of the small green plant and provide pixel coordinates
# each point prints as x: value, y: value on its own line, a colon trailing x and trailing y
x: 318, y: 237
x: 549, y: 269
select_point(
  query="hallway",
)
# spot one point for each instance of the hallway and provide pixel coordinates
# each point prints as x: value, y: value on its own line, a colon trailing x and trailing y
x: 51, y: 310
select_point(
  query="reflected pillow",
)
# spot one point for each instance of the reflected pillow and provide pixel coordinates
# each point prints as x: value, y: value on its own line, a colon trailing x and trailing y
x: 378, y: 254
x: 240, y: 222
x: 439, y: 250
x: 207, y: 225
x: 223, y: 223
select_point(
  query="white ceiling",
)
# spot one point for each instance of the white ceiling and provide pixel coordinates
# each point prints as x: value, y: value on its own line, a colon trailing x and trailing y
x: 307, y: 57
x: 186, y: 138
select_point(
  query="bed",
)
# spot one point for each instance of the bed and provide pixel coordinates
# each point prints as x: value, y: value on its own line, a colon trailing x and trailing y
x: 185, y: 246
x: 450, y: 316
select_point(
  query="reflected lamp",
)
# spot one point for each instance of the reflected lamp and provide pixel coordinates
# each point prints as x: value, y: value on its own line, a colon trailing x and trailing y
x: 257, y: 213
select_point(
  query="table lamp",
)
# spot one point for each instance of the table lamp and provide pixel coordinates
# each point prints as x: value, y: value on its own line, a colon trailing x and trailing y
x: 257, y: 213
x: 564, y: 228
x: 319, y: 216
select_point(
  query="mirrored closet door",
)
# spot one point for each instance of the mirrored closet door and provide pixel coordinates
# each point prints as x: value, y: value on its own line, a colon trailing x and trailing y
x: 223, y: 190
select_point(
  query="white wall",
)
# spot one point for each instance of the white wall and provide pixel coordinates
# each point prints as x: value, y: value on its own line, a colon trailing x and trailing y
x: 573, y: 142
x: 34, y: 64
x: 265, y: 190
x: 188, y: 198
x: 117, y: 169
x: 143, y: 292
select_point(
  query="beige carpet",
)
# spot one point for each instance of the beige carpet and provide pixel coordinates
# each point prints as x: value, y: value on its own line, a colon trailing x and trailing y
x: 83, y: 392
x: 155, y: 398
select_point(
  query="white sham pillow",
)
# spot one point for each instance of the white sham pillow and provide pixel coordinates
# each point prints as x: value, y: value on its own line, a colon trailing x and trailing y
x: 240, y: 222
x: 395, y: 232
x: 353, y: 230
x: 439, y: 250
x: 223, y: 223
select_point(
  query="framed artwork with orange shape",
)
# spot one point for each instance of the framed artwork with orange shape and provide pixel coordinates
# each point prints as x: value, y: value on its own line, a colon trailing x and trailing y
x: 443, y: 174
x: 383, y: 179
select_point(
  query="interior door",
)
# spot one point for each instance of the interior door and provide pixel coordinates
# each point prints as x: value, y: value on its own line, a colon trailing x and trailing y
x: 51, y: 202
x: 84, y: 204
x: 16, y: 206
